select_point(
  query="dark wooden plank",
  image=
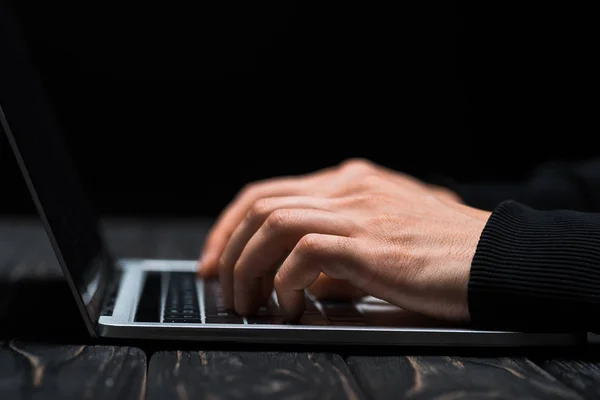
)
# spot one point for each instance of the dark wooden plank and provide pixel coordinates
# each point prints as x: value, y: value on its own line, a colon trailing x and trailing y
x: 581, y: 375
x: 71, y: 372
x: 249, y: 375
x: 436, y: 377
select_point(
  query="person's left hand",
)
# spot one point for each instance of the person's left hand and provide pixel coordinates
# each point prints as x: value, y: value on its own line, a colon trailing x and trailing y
x: 395, y: 242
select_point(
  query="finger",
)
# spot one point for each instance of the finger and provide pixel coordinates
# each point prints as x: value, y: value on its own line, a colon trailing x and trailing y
x: 267, y: 282
x: 327, y: 288
x: 253, y: 220
x: 335, y: 256
x: 256, y: 217
x: 231, y: 215
x: 267, y: 289
x: 234, y: 213
x: 276, y: 238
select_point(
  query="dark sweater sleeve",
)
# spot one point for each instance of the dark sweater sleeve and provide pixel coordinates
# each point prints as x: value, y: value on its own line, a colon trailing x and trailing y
x: 537, y: 270
x: 558, y: 185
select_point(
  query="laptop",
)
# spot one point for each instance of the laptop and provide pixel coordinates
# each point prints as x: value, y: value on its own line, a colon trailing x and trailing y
x: 164, y: 299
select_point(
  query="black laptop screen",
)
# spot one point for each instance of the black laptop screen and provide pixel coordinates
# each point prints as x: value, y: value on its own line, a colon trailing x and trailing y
x: 36, y: 140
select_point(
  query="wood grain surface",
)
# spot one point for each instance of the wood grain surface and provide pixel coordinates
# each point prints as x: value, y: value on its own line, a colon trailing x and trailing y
x: 579, y: 374
x: 435, y: 377
x: 250, y: 375
x: 32, y: 370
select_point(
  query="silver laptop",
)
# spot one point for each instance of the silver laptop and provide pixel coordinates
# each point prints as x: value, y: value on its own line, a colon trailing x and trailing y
x: 164, y: 299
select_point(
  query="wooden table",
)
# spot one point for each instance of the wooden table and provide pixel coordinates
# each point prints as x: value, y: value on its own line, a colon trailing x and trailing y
x: 45, y: 352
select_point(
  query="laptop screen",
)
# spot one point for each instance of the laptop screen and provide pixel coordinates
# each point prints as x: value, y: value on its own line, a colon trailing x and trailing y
x: 32, y: 131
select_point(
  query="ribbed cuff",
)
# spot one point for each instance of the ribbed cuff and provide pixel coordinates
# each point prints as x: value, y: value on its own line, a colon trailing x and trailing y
x: 537, y: 270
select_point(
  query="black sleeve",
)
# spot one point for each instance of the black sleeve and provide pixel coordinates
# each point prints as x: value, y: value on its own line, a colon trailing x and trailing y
x: 537, y: 270
x: 573, y: 186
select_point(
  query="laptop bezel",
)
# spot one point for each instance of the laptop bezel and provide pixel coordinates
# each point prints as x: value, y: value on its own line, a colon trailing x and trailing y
x: 87, y: 317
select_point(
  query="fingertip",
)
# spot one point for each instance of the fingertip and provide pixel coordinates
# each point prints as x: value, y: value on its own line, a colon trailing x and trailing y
x: 201, y: 269
x: 292, y: 308
x: 207, y: 265
x: 290, y: 317
x: 247, y: 297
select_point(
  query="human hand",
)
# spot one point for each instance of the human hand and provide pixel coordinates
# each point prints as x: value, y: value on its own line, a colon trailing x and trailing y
x: 320, y: 183
x: 390, y: 238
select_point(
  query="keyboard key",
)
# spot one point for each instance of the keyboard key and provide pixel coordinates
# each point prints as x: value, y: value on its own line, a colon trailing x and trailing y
x: 181, y: 304
x: 190, y: 320
x: 213, y: 297
x: 148, y: 309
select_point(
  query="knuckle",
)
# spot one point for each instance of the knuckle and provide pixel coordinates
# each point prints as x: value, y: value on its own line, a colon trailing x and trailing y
x: 357, y: 166
x: 366, y: 184
x: 259, y: 210
x: 251, y: 190
x: 310, y: 245
x: 431, y: 198
x: 280, y: 279
x: 279, y: 219
x: 372, y: 181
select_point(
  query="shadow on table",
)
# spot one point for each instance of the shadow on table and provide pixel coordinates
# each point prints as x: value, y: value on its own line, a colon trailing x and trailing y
x: 41, y: 310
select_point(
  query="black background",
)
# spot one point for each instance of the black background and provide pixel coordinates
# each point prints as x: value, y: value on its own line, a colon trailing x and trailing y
x: 169, y: 109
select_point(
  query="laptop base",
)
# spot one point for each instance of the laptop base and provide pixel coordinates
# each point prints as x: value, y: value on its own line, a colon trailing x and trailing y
x: 384, y: 324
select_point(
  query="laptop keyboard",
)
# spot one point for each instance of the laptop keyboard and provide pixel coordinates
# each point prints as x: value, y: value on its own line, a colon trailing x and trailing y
x: 187, y: 302
x: 181, y: 304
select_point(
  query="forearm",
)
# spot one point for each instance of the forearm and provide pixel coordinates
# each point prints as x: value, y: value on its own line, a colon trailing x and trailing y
x: 536, y: 270
x: 574, y: 186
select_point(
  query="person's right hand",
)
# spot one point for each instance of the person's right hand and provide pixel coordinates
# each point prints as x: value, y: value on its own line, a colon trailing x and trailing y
x: 322, y: 183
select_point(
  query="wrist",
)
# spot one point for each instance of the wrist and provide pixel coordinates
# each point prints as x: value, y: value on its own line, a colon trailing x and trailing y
x: 469, y: 238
